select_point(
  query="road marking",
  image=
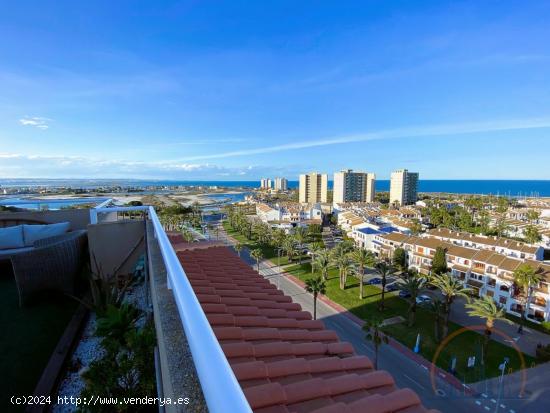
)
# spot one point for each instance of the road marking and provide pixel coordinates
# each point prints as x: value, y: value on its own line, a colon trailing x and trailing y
x: 512, y: 411
x: 478, y: 402
x: 486, y: 407
x: 414, y: 381
x: 367, y: 348
x: 493, y: 401
x: 484, y: 395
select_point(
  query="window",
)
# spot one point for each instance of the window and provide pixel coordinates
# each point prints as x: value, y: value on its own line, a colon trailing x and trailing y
x: 504, y: 288
x: 502, y: 300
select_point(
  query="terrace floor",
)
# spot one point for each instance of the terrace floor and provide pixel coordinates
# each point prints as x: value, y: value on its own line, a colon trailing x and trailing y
x: 28, y: 337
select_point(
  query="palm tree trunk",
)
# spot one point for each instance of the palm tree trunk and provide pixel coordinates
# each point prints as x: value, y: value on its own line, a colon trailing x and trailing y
x: 486, y: 345
x: 361, y: 285
x: 375, y: 357
x: 381, y: 306
x: 446, y: 321
x: 412, y: 314
x: 315, y: 306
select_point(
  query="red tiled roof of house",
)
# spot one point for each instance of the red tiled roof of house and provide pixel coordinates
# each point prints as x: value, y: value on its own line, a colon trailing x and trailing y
x: 285, y: 361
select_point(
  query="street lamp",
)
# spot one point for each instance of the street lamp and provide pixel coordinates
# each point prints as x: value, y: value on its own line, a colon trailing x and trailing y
x: 500, y: 384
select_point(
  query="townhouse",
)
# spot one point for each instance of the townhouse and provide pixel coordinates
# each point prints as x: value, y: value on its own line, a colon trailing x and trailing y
x: 503, y: 246
x: 484, y: 270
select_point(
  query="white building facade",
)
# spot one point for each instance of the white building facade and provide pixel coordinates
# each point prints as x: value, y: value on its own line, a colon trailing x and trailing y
x: 403, y: 187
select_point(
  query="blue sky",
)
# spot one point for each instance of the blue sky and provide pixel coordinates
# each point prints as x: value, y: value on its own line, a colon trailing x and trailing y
x: 244, y: 89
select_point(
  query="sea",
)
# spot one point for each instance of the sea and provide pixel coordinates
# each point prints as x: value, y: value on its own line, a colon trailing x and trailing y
x: 512, y: 188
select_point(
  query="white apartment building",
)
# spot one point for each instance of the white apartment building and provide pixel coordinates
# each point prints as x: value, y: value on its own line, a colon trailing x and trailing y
x: 504, y: 246
x: 484, y: 271
x: 403, y: 187
x: 281, y: 184
x: 288, y: 215
x: 313, y: 188
x: 350, y: 186
x: 265, y: 183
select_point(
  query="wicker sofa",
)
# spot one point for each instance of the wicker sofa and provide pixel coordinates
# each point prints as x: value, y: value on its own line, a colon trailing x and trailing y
x: 49, y: 263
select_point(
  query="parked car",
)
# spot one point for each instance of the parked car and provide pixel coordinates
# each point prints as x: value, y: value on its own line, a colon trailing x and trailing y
x: 404, y: 294
x: 374, y: 281
x: 423, y: 299
x: 392, y: 287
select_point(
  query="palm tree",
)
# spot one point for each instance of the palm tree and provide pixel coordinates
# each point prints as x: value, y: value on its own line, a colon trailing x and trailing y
x: 322, y: 263
x: 384, y: 270
x: 438, y: 308
x: 373, y: 328
x: 486, y: 308
x: 187, y: 235
x: 289, y: 248
x: 362, y: 258
x: 238, y: 247
x: 257, y: 255
x: 414, y: 285
x: 342, y: 261
x: 451, y: 288
x: 315, y: 286
x: 525, y: 278
x: 314, y: 249
x: 300, y: 236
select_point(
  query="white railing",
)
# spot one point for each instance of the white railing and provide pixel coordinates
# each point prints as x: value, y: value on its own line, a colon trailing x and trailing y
x: 221, y: 389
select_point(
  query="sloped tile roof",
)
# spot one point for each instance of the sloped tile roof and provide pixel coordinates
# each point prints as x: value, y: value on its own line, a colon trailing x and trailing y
x: 285, y: 361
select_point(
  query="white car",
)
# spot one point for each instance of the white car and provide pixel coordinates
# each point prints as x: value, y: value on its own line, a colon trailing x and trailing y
x: 423, y: 299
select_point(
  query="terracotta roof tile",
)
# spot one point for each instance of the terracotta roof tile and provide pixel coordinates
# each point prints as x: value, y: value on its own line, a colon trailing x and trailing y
x: 285, y: 361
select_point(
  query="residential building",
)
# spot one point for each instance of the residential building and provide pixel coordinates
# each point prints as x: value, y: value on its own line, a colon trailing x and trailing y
x: 287, y: 215
x: 265, y: 183
x: 313, y: 188
x: 281, y: 184
x: 504, y: 246
x: 403, y: 187
x: 350, y: 186
x: 483, y: 271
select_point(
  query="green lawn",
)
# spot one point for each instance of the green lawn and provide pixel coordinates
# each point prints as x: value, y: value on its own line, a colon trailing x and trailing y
x: 28, y: 338
x: 462, y: 346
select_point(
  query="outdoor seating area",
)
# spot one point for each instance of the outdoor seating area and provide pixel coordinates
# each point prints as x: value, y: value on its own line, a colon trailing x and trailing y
x: 43, y: 256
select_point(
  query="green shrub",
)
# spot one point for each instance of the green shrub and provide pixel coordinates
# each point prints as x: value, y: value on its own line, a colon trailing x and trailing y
x: 124, y: 371
x: 117, y: 322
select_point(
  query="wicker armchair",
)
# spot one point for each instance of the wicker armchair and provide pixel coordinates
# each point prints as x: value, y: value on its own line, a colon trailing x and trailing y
x: 51, y: 265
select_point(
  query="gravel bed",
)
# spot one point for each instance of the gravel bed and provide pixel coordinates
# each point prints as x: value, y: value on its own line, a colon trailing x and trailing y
x: 89, y: 349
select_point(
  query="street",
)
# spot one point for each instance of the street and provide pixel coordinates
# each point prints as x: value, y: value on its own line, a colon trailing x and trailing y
x: 405, y: 371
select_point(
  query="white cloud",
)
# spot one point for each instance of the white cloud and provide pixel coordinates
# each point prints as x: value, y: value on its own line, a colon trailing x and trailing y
x: 13, y: 165
x: 406, y: 132
x: 36, y: 121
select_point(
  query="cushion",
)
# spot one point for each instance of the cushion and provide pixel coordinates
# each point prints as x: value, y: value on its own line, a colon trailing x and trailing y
x: 11, y: 237
x: 6, y: 254
x: 32, y: 233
